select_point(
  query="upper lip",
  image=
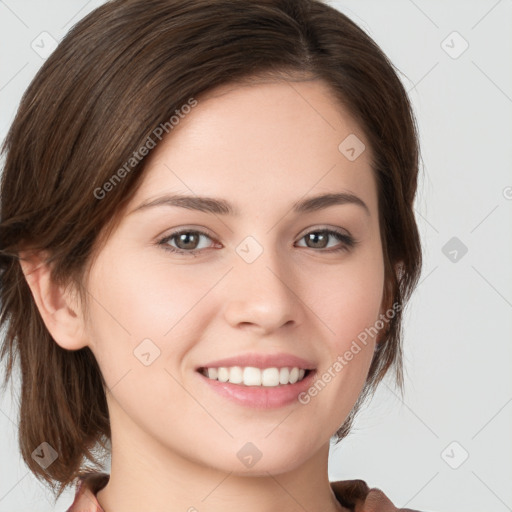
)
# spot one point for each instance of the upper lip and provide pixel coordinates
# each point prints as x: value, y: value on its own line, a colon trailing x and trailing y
x: 262, y: 361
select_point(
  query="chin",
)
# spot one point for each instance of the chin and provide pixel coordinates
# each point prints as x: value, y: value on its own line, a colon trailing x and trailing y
x: 261, y: 457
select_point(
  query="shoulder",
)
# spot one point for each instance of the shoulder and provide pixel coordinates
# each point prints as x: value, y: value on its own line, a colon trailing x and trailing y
x: 85, y: 494
x: 356, y: 496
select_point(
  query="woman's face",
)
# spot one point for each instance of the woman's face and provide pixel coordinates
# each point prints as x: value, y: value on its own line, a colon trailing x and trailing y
x: 265, y: 282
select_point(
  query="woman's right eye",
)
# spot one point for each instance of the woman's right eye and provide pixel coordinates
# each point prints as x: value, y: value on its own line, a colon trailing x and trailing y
x: 187, y: 241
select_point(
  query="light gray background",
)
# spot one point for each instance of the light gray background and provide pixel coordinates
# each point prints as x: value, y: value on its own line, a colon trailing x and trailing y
x: 458, y: 349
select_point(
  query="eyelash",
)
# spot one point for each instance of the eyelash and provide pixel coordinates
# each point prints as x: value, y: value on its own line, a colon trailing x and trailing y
x: 348, y: 242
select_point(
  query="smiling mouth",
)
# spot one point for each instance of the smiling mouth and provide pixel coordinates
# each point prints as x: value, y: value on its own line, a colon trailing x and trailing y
x: 251, y: 376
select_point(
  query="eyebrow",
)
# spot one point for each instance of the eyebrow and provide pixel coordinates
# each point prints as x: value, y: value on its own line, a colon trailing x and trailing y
x: 223, y: 207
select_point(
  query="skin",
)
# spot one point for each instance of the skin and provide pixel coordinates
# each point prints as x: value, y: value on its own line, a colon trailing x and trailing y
x: 174, y: 441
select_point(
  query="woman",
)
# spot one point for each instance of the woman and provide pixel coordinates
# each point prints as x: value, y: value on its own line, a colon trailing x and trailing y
x: 208, y: 237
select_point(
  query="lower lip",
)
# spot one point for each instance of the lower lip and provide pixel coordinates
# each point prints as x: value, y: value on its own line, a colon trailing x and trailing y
x: 261, y: 397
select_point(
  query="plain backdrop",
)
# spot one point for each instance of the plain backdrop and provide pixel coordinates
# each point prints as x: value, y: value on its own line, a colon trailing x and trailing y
x: 447, y: 446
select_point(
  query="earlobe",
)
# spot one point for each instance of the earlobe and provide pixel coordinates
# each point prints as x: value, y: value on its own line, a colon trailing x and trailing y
x: 57, y: 306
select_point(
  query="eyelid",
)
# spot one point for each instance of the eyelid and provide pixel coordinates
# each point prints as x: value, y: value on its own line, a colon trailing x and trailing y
x: 186, y: 228
x: 320, y: 227
x: 205, y: 231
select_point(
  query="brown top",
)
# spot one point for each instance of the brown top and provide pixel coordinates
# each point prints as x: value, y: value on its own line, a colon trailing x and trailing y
x: 355, y: 495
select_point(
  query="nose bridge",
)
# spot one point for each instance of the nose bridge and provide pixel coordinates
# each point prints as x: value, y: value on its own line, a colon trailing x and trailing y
x: 261, y: 290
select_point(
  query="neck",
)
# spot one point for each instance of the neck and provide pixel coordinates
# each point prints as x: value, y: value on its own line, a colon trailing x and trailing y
x: 145, y: 475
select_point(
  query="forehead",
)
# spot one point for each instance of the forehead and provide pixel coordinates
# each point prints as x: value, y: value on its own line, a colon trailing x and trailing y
x: 267, y: 141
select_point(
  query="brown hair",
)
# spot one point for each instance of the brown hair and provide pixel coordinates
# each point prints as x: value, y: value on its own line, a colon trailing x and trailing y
x: 118, y: 74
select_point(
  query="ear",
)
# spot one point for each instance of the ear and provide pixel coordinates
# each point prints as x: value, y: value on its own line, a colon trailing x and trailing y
x: 59, y: 308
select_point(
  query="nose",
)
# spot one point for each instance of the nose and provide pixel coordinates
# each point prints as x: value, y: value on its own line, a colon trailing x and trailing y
x: 263, y: 295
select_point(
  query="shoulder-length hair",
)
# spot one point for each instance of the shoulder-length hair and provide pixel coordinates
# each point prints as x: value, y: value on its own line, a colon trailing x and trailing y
x: 120, y: 73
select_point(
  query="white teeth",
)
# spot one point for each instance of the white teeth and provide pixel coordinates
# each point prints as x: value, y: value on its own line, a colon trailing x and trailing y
x: 250, y: 376
x: 236, y: 375
x: 223, y: 374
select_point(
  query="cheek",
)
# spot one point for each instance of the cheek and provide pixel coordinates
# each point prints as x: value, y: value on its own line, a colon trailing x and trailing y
x: 348, y: 298
x: 139, y: 307
x: 349, y: 309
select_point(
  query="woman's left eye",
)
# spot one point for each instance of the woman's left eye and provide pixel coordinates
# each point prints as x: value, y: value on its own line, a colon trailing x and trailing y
x: 188, y: 241
x: 320, y: 237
